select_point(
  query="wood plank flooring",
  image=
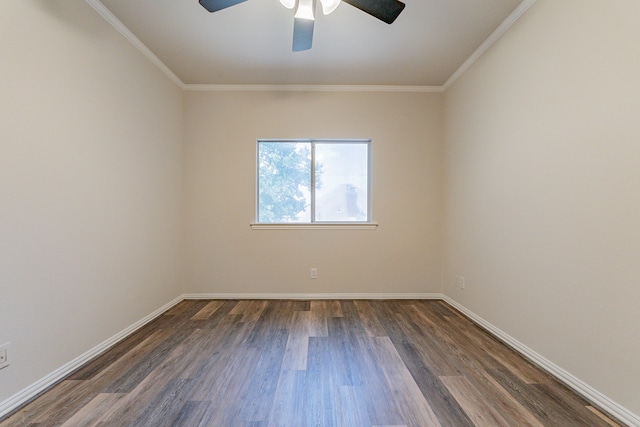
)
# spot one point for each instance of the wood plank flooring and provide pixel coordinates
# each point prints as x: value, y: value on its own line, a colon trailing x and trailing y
x: 309, y: 363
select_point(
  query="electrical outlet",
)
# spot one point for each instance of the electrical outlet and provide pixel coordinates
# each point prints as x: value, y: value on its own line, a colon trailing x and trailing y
x: 462, y: 284
x: 314, y: 273
x: 4, y: 355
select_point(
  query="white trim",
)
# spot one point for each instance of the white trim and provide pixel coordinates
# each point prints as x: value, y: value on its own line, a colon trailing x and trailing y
x: 22, y: 397
x: 579, y: 386
x: 311, y: 88
x: 502, y: 28
x: 30, y: 392
x: 588, y: 392
x: 135, y: 41
x: 315, y: 226
x: 319, y: 296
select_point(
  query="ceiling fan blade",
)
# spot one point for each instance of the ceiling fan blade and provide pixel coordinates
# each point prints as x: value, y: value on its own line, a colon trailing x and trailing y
x: 216, y: 5
x: 302, y: 34
x: 384, y: 10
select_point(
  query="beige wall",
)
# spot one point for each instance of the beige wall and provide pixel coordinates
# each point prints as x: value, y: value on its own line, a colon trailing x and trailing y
x: 542, y: 189
x: 226, y: 256
x: 90, y: 186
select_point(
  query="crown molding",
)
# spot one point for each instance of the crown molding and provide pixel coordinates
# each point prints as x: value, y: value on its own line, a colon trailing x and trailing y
x: 311, y: 88
x: 135, y: 41
x: 502, y: 28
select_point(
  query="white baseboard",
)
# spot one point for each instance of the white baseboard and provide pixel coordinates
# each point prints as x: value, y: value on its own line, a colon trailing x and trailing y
x: 43, y: 384
x: 592, y: 395
x: 30, y: 392
x: 320, y: 296
x: 588, y: 392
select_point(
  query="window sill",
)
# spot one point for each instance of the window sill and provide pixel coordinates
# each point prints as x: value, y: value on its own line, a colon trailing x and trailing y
x: 316, y: 226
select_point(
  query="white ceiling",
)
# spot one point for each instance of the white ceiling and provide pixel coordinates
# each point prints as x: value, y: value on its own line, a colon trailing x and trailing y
x: 250, y: 43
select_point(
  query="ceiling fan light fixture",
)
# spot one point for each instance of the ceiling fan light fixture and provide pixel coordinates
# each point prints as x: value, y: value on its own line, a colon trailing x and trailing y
x: 306, y: 10
x: 329, y: 6
x: 289, y: 4
x: 304, y: 15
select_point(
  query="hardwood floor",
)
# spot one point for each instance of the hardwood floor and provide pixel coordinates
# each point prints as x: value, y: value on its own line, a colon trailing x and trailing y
x: 309, y: 363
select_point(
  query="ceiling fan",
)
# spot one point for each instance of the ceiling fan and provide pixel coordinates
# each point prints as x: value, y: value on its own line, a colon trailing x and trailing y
x: 304, y: 18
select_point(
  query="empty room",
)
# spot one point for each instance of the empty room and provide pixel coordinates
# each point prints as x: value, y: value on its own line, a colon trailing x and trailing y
x: 319, y: 213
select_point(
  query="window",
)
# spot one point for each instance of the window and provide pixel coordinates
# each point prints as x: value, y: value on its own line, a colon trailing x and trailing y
x: 313, y: 182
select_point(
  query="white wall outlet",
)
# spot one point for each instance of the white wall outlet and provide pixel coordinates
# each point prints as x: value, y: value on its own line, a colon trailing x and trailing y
x: 4, y: 355
x: 462, y: 284
x: 314, y: 273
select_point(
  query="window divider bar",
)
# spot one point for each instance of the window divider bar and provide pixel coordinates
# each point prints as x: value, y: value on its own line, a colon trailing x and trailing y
x: 313, y: 181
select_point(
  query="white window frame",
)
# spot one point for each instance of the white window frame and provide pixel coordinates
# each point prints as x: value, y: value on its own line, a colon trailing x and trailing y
x: 360, y: 225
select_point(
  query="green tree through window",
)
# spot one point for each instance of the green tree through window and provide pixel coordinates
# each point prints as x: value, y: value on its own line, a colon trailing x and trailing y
x: 284, y: 181
x: 292, y: 174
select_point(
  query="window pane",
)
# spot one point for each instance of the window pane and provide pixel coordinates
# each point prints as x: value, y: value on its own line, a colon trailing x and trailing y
x: 341, y: 183
x: 284, y: 182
